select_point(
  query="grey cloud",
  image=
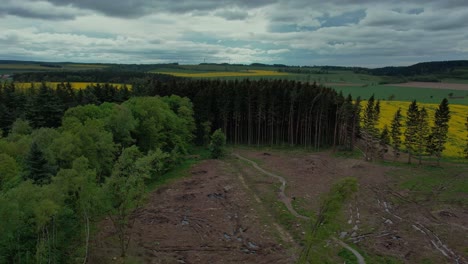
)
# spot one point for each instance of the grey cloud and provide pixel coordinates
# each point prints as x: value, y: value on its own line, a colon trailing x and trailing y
x: 137, y: 8
x: 31, y: 13
x: 232, y: 14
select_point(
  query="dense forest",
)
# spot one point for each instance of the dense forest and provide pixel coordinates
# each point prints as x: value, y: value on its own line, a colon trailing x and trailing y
x: 101, y: 76
x: 249, y: 112
x: 58, y: 176
x: 423, y: 68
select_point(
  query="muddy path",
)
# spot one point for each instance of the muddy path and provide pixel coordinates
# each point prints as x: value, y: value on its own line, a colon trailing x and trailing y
x: 287, y: 202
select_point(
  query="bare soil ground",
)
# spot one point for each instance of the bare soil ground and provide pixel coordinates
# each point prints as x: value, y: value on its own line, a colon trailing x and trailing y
x: 209, y: 217
x: 222, y: 214
x: 435, y: 85
x: 380, y: 220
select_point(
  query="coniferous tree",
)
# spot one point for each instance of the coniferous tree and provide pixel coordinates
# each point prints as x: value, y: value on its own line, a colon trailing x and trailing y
x: 411, y: 131
x: 395, y: 133
x: 37, y: 168
x: 422, y: 133
x: 370, y: 132
x: 466, y: 148
x: 45, y: 109
x: 384, y: 141
x: 438, y: 136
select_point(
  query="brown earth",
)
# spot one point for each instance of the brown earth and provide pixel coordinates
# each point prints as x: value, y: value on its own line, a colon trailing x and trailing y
x: 435, y: 85
x: 209, y: 217
x: 219, y: 214
x: 380, y: 219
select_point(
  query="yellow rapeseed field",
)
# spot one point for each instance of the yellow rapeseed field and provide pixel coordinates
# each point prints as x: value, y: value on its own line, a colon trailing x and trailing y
x: 75, y: 85
x: 457, y: 131
x: 226, y: 74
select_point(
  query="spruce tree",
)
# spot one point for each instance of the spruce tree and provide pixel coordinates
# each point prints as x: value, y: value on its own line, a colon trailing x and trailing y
x: 395, y: 133
x: 384, y: 141
x: 411, y: 129
x: 370, y: 132
x: 422, y: 133
x: 45, y: 109
x: 438, y: 136
x: 466, y: 148
x: 37, y: 167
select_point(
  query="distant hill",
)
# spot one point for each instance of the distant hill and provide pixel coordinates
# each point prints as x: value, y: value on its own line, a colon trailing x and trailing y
x: 423, y: 68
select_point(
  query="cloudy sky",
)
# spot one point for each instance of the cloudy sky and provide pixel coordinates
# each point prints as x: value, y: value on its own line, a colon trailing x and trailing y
x: 295, y: 32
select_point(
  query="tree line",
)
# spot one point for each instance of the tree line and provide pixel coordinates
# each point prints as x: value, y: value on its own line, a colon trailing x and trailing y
x: 420, y: 138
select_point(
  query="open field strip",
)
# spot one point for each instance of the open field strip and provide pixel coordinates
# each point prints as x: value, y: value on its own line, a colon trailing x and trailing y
x: 226, y: 74
x: 435, y: 85
x: 457, y: 132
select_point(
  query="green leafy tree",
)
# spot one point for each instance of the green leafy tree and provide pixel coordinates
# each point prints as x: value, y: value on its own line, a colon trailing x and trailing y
x: 20, y: 127
x: 217, y: 144
x: 9, y: 170
x: 412, y: 121
x: 395, y: 133
x: 125, y: 191
x: 438, y: 136
x: 79, y: 185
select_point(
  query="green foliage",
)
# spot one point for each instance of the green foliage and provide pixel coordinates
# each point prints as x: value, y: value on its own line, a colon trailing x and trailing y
x: 395, y: 133
x: 422, y: 133
x: 20, y: 127
x: 326, y: 222
x: 217, y: 144
x: 411, y: 131
x: 466, y: 148
x: 9, y: 170
x: 438, y: 136
x: 125, y: 190
x: 44, y: 222
x: 158, y: 126
x: 45, y: 108
x: 37, y: 168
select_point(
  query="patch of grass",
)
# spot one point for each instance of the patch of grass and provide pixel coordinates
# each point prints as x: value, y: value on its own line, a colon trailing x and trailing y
x: 347, y: 256
x: 299, y: 205
x: 428, y: 183
x: 181, y: 170
x: 355, y: 154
